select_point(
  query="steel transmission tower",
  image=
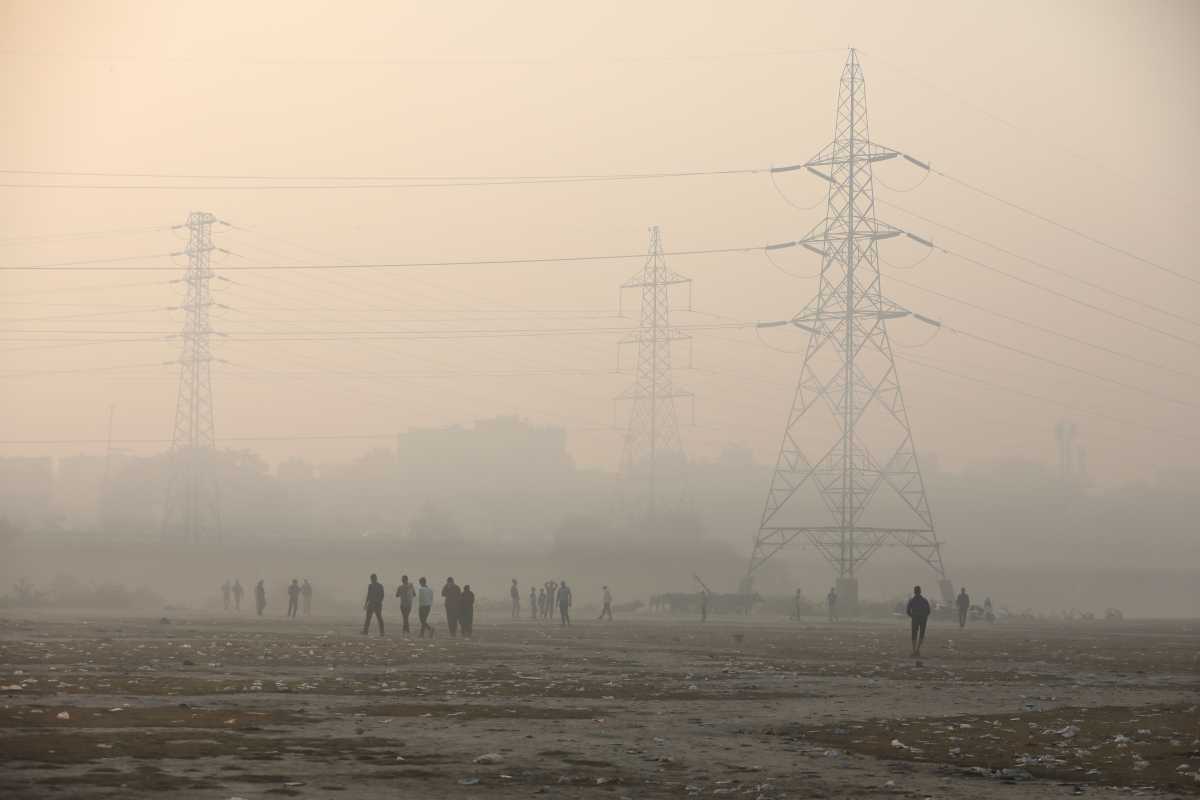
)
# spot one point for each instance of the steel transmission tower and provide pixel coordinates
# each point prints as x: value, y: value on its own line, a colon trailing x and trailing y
x: 853, y: 486
x: 192, y: 510
x: 652, y: 438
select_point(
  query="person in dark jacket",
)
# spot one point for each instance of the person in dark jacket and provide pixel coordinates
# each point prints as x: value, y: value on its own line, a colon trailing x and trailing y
x: 466, y: 610
x: 293, y: 598
x: 373, y: 605
x: 452, y: 594
x: 918, y: 611
x: 564, y: 603
x: 964, y: 605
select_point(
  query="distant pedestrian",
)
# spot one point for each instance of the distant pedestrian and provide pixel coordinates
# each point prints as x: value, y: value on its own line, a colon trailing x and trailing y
x: 405, y: 592
x: 964, y: 605
x: 451, y: 595
x: 226, y: 590
x: 918, y: 610
x: 424, y: 606
x: 466, y: 610
x: 533, y: 603
x: 831, y: 600
x: 373, y: 605
x: 515, y: 594
x: 606, y: 611
x: 293, y: 598
x: 564, y: 603
x: 260, y: 596
x: 237, y: 594
x: 541, y: 604
x: 306, y: 596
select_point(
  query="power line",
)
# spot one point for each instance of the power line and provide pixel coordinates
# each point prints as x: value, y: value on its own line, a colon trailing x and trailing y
x: 1042, y: 329
x: 1062, y: 226
x: 415, y: 61
x: 386, y: 334
x: 1069, y: 298
x: 110, y: 260
x: 1039, y: 138
x: 54, y: 237
x: 1071, y: 367
x: 452, y: 180
x: 403, y: 264
x: 1044, y: 266
x: 434, y: 184
x: 1043, y: 398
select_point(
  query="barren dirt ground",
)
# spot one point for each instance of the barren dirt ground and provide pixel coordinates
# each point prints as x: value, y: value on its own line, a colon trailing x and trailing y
x: 645, y: 707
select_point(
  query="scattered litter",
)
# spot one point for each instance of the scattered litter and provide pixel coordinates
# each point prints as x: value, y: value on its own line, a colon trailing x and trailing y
x: 489, y: 758
x: 469, y: 781
x: 62, y: 715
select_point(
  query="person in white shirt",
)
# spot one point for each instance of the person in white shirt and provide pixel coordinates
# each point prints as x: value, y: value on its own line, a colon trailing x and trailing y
x: 607, y: 610
x: 424, y: 606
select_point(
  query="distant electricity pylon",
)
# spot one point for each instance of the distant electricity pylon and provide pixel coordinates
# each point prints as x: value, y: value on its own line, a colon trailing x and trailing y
x: 827, y: 480
x: 652, y: 462
x: 192, y: 511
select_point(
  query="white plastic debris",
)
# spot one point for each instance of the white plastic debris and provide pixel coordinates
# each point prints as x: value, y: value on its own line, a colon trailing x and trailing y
x: 489, y: 758
x: 62, y: 715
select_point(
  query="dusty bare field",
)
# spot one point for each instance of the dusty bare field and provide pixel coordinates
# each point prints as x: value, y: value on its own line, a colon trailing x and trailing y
x: 647, y: 707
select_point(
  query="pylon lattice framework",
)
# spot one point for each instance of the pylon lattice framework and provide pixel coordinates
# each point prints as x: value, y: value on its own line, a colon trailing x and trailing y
x: 192, y: 510
x: 652, y: 436
x: 848, y: 370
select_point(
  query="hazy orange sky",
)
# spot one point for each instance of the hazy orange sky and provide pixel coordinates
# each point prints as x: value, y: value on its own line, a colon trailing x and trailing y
x: 1085, y: 112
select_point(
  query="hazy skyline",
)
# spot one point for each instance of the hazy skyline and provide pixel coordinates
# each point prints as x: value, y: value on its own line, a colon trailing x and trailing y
x: 1081, y: 112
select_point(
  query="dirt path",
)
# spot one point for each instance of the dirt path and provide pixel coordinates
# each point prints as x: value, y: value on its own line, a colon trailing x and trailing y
x: 646, y: 708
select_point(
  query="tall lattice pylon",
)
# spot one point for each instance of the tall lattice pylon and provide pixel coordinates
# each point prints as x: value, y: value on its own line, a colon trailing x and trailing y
x: 652, y: 462
x: 192, y: 511
x: 847, y: 480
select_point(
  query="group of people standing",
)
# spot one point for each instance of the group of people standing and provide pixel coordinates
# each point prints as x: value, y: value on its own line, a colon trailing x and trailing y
x: 297, y: 593
x: 551, y: 595
x: 459, y: 602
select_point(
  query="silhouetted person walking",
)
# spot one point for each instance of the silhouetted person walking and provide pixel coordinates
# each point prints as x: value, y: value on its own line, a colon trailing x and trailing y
x: 918, y: 610
x: 226, y: 590
x: 533, y: 603
x: 466, y: 610
x: 831, y: 600
x: 515, y: 594
x: 373, y: 605
x: 306, y: 596
x: 606, y: 610
x: 260, y: 596
x: 406, y: 593
x: 564, y: 603
x: 237, y: 595
x: 424, y: 606
x: 964, y: 605
x: 293, y: 598
x: 451, y: 595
